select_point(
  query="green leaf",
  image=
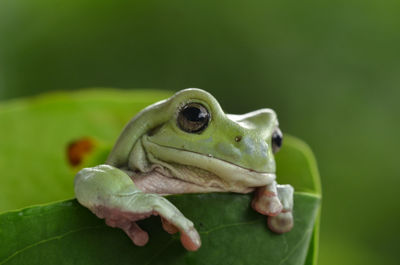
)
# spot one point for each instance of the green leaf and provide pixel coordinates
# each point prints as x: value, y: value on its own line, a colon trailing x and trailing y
x: 35, y: 169
x: 33, y: 164
x: 231, y: 232
x: 296, y: 165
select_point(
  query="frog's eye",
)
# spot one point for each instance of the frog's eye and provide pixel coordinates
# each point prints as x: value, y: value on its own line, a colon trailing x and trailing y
x: 193, y: 118
x: 276, y: 140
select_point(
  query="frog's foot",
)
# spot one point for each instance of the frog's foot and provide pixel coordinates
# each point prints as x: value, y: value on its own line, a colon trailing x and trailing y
x: 172, y: 221
x: 283, y: 222
x: 266, y: 200
x: 110, y: 194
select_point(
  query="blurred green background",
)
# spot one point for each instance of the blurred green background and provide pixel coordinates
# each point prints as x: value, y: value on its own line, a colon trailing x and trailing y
x: 331, y: 70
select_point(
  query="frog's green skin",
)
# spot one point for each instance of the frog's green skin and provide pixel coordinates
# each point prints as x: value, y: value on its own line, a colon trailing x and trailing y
x: 154, y: 156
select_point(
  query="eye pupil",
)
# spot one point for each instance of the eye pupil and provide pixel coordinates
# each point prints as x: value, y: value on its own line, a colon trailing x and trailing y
x: 193, y: 118
x: 193, y: 114
x: 277, y: 140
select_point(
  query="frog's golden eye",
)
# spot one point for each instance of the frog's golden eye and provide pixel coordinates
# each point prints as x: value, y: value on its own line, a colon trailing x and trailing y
x: 193, y: 118
x: 276, y: 140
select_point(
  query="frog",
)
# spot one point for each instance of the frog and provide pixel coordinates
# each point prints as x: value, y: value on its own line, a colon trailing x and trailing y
x: 187, y: 144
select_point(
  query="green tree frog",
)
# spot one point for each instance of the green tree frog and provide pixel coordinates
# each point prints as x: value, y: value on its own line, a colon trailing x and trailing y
x: 186, y: 144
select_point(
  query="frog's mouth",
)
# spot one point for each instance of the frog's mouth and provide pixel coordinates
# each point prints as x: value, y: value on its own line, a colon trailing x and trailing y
x: 205, y: 171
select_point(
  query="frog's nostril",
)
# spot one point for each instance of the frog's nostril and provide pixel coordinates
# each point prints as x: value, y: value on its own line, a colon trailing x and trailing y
x: 238, y: 138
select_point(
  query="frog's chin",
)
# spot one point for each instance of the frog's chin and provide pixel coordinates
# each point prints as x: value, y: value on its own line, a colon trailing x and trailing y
x: 234, y: 176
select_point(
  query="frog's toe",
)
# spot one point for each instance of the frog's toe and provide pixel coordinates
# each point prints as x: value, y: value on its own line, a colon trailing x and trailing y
x: 266, y: 200
x: 270, y: 206
x: 191, y: 239
x: 138, y: 236
x: 125, y: 221
x: 281, y: 223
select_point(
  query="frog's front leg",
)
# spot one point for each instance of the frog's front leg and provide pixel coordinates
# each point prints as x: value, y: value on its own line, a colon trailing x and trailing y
x: 275, y: 201
x: 111, y: 194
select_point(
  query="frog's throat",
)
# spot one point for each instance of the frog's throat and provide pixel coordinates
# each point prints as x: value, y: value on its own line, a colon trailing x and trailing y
x: 228, y: 172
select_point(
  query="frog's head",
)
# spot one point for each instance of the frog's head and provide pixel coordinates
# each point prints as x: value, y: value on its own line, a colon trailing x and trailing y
x: 190, y: 136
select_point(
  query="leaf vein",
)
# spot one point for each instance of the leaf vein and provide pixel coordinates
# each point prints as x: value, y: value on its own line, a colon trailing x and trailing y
x: 229, y: 225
